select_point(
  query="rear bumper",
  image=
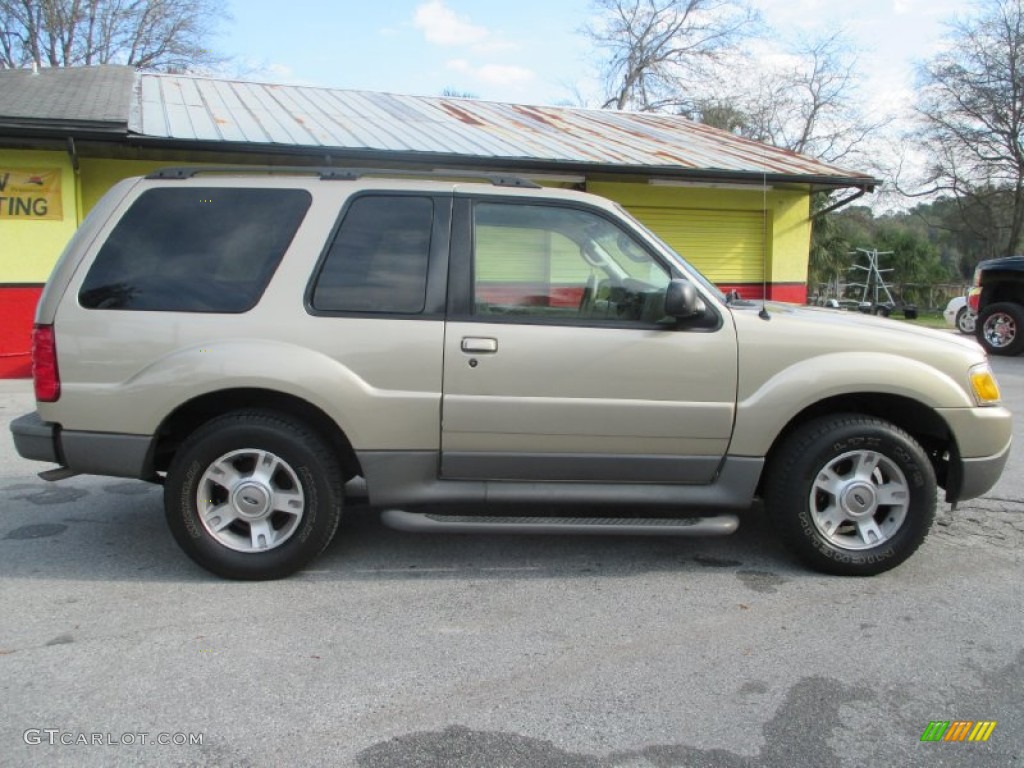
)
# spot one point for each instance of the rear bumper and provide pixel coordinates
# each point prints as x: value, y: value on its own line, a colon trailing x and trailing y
x: 35, y: 439
x: 92, y: 453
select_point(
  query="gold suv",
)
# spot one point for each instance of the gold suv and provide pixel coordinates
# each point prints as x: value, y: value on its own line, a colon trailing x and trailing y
x: 253, y: 341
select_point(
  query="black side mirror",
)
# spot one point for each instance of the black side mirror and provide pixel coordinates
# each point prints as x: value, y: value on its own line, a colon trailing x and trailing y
x: 681, y: 300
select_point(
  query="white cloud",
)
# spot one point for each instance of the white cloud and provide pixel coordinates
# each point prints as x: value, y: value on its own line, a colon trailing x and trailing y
x: 493, y: 74
x: 442, y: 26
x: 494, y: 45
x: 505, y: 74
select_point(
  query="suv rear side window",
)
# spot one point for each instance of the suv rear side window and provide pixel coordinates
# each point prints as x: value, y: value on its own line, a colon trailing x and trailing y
x: 378, y: 260
x: 195, y: 250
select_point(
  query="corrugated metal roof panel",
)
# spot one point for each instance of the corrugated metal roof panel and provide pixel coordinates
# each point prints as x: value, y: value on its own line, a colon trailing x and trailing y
x: 188, y: 108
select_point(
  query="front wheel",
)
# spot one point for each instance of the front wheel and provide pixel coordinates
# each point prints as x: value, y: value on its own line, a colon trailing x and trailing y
x: 851, y: 495
x: 253, y: 495
x: 1000, y: 328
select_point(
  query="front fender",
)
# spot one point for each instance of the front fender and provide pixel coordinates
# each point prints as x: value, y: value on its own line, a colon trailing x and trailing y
x: 763, y: 414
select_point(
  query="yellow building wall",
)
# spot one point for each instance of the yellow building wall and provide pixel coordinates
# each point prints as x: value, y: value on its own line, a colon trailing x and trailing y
x: 97, y: 176
x: 29, y: 248
x: 731, y: 220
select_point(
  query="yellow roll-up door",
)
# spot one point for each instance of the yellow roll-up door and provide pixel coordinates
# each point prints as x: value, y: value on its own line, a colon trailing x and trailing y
x: 727, y: 246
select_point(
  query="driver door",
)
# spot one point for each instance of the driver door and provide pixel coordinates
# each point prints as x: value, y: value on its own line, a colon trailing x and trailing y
x: 559, y: 362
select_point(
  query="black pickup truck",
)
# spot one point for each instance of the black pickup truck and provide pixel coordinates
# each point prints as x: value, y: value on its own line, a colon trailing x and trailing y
x: 998, y: 300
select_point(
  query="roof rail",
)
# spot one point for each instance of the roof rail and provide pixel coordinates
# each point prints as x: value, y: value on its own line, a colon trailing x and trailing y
x: 342, y: 174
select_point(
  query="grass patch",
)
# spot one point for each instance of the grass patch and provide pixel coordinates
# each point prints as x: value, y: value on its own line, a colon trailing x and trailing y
x: 924, y: 319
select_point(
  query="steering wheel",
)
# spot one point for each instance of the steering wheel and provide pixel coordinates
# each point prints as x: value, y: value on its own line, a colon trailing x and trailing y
x: 589, y: 295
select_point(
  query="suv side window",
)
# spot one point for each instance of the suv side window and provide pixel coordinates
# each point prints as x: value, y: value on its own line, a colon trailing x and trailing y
x: 561, y: 263
x: 194, y: 250
x: 379, y: 258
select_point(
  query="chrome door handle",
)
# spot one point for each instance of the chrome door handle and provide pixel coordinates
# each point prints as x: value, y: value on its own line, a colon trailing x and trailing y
x: 479, y: 345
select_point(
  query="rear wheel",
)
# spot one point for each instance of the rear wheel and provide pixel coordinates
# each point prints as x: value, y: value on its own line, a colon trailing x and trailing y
x: 253, y: 495
x: 965, y: 321
x: 851, y: 495
x: 1000, y: 328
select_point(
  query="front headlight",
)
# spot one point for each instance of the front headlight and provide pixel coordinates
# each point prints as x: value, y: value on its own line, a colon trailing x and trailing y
x: 983, y: 384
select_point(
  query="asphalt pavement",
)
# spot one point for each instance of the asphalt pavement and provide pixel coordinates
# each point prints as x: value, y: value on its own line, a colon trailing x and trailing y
x: 398, y: 649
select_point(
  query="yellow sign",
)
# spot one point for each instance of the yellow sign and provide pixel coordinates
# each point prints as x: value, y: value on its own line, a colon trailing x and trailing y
x: 30, y: 194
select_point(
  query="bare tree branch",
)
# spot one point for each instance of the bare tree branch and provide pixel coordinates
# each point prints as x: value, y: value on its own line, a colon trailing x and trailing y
x: 655, y: 48
x: 168, y: 35
x: 971, y: 117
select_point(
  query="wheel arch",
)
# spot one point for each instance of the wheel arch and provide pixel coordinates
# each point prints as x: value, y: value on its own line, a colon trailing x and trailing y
x: 193, y: 413
x: 915, y: 418
x: 1005, y: 286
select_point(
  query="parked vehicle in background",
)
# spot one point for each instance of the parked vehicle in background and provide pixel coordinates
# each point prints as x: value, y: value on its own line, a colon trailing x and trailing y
x: 253, y: 339
x: 998, y: 300
x: 959, y: 315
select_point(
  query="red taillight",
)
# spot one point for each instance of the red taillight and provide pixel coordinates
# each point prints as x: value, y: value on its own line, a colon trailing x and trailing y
x: 44, y: 364
x: 974, y: 299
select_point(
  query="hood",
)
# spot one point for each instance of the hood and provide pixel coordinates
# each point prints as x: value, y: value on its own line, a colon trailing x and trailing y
x: 802, y: 336
x: 857, y: 323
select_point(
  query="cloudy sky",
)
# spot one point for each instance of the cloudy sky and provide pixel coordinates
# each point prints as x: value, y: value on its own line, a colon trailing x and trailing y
x: 531, y: 51
x: 528, y: 50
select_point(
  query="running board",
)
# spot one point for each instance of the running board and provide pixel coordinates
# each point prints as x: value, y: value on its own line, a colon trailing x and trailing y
x: 419, y: 522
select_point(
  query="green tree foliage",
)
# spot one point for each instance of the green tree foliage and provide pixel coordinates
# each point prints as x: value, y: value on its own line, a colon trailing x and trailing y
x: 922, y: 256
x: 830, y: 247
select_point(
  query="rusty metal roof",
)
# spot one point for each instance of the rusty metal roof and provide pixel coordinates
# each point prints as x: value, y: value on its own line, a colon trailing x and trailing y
x: 186, y: 108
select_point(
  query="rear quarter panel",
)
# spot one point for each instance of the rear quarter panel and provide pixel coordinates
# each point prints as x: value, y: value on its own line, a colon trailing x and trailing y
x: 125, y: 371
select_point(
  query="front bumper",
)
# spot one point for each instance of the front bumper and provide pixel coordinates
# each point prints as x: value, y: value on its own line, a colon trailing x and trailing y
x: 983, y: 437
x: 91, y: 453
x: 977, y: 476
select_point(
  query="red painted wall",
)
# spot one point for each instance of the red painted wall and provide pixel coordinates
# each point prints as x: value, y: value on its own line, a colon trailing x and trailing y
x: 794, y: 293
x: 17, y: 311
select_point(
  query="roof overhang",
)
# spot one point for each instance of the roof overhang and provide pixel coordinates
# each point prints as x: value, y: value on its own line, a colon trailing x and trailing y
x: 427, y: 160
x: 62, y: 129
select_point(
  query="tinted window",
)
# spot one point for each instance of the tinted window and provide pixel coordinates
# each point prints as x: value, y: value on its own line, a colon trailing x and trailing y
x: 195, y: 250
x: 378, y: 260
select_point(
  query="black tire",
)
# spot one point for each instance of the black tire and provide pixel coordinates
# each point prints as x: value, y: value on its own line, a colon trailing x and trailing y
x: 288, y: 483
x: 1000, y: 328
x: 965, y: 322
x: 831, y: 443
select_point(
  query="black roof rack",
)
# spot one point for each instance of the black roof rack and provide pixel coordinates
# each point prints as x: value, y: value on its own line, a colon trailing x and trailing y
x: 342, y: 174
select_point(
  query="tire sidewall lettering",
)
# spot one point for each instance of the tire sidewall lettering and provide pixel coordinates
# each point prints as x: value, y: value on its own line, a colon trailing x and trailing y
x: 190, y: 512
x: 799, y: 464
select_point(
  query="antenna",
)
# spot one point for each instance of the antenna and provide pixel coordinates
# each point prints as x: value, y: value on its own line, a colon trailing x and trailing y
x: 763, y: 314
